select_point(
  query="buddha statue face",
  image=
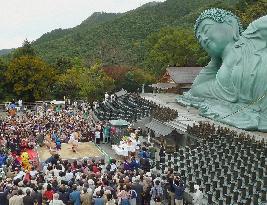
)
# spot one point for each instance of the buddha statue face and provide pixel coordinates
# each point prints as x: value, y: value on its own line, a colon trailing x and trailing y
x: 214, y: 37
x: 215, y: 29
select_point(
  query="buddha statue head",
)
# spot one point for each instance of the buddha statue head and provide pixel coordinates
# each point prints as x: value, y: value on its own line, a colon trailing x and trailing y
x: 215, y: 29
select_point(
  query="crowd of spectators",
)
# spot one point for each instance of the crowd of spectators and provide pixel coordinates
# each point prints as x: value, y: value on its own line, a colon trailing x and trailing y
x: 79, y: 182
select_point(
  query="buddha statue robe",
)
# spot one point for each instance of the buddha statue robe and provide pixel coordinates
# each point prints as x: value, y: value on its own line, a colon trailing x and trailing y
x: 236, y: 92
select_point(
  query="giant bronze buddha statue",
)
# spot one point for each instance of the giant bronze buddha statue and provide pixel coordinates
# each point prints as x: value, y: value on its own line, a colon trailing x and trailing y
x: 232, y: 88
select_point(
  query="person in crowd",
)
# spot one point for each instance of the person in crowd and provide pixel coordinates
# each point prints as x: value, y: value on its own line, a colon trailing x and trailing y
x: 74, y: 141
x: 4, y: 191
x: 99, y: 199
x: 156, y: 194
x: 75, y: 195
x: 124, y: 195
x: 48, y: 194
x: 162, y: 153
x: 179, y: 188
x: 138, y: 188
x: 16, y: 198
x: 110, y: 200
x: 171, y: 189
x: 133, y: 196
x: 56, y: 200
x: 86, y: 197
x: 28, y: 199
x: 97, y: 137
x: 37, y: 195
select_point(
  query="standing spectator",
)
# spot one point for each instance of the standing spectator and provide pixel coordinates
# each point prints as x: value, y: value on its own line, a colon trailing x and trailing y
x: 106, y: 133
x: 86, y: 197
x: 156, y: 194
x: 3, y: 195
x: 17, y: 198
x: 37, y: 196
x: 106, y: 97
x: 133, y: 196
x: 110, y: 200
x: 97, y: 137
x: 139, y: 190
x: 171, y: 190
x: 63, y: 194
x: 48, y: 194
x: 75, y: 197
x: 123, y: 196
x: 28, y: 199
x: 162, y: 153
x: 179, y: 191
x: 56, y: 201
x: 99, y: 200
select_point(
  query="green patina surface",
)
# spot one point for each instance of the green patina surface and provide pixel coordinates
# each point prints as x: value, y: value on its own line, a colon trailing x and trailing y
x: 232, y: 88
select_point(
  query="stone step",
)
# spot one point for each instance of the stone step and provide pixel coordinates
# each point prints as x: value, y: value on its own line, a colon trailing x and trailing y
x: 179, y: 126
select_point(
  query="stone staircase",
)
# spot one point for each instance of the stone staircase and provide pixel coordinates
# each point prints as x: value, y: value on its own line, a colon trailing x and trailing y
x: 180, y: 123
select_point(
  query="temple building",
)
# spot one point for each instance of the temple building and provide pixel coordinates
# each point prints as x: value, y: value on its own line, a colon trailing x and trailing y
x: 177, y: 79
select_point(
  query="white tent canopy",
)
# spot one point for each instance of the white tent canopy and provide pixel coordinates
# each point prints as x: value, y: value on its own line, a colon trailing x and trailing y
x: 57, y: 102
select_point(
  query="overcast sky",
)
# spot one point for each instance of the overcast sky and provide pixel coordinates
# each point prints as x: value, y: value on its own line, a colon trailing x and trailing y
x: 21, y: 19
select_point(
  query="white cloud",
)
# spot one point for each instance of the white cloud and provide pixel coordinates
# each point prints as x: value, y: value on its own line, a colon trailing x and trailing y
x: 21, y: 19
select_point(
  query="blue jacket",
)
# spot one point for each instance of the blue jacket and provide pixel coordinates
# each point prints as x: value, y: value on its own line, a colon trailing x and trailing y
x: 134, y: 164
x: 75, y: 197
x: 99, y: 201
x: 179, y: 191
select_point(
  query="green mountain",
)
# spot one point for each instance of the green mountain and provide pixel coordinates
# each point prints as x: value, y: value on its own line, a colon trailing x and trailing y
x: 119, y: 38
x: 5, y: 51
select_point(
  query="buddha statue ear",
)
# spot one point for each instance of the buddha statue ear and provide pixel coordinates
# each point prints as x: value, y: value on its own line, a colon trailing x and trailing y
x: 230, y: 20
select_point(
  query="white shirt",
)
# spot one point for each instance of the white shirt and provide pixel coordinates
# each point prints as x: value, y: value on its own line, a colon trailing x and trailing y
x: 33, y: 173
x: 56, y: 202
x: 20, y: 175
x: 113, y: 167
x: 97, y: 134
x: 69, y: 176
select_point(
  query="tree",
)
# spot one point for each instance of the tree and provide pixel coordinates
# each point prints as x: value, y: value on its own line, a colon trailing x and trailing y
x: 25, y: 50
x: 5, y: 91
x: 63, y: 63
x: 135, y: 78
x: 31, y: 78
x: 250, y: 10
x: 174, y: 47
x: 85, y: 83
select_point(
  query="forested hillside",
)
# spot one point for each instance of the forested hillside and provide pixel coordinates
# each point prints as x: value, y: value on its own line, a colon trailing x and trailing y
x: 119, y: 39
